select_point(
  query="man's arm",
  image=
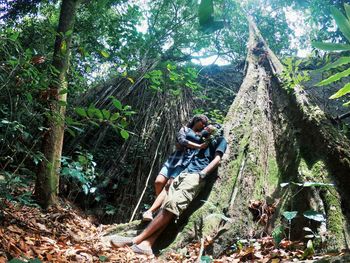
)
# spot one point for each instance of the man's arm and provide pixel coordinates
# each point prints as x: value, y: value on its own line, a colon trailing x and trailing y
x: 213, y: 164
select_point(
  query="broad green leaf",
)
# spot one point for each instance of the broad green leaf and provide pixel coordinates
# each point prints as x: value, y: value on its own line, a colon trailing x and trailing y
x: 115, y: 116
x: 314, y: 215
x: 124, y: 134
x: 330, y: 46
x: 334, y: 77
x: 310, y: 184
x: 341, y: 92
x: 347, y: 10
x: 104, y: 53
x: 131, y: 80
x: 98, y: 114
x: 289, y: 215
x: 81, y: 112
x: 338, y: 63
x: 106, y: 114
x: 342, y: 22
x: 117, y: 104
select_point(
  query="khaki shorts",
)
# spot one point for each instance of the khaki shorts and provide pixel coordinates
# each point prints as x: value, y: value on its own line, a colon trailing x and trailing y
x: 182, y: 191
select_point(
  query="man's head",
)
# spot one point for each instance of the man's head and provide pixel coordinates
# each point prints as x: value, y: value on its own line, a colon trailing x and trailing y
x: 198, y: 122
x: 214, y: 129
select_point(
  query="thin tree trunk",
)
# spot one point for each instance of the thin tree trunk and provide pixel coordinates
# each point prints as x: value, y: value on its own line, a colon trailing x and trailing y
x: 47, y: 182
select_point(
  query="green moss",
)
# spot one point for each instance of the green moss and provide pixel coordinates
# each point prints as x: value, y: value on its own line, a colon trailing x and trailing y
x: 274, y: 173
x: 317, y: 172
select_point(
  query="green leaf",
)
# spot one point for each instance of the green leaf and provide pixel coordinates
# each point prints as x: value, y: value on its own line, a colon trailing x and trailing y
x: 330, y: 46
x: 289, y: 215
x: 63, y: 91
x: 206, y: 259
x: 342, y: 22
x: 124, y: 134
x: 81, y: 112
x: 309, y: 236
x: 346, y: 104
x: 106, y: 114
x: 62, y: 103
x: 104, y: 53
x: 314, y: 215
x: 307, y: 229
x: 277, y: 234
x: 347, y: 10
x: 102, y: 258
x: 341, y: 61
x: 341, y: 92
x: 68, y: 33
x: 310, y: 184
x: 71, y: 132
x: 63, y: 48
x: 14, y: 36
x: 98, y: 114
x: 334, y: 77
x: 117, y: 104
x: 29, y: 97
x: 309, y: 251
x: 283, y: 184
x: 115, y: 116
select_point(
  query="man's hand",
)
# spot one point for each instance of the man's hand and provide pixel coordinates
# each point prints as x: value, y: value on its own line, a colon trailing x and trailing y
x: 203, y: 145
x: 170, y: 181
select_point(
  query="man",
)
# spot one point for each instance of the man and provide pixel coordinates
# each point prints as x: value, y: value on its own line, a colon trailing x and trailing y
x: 182, y: 191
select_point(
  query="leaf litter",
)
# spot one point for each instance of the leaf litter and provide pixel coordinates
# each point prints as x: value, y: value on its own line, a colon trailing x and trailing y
x: 64, y: 234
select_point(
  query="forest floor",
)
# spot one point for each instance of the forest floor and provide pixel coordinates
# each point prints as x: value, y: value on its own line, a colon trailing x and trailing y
x: 64, y: 234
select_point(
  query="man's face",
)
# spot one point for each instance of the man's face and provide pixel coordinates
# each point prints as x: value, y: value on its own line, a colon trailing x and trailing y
x: 199, y: 125
x: 210, y: 128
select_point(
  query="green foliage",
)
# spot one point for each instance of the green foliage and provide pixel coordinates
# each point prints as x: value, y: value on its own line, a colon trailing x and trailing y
x: 278, y: 234
x: 313, y: 215
x: 290, y: 215
x: 341, y: 65
x: 80, y: 172
x: 116, y: 118
x: 291, y: 75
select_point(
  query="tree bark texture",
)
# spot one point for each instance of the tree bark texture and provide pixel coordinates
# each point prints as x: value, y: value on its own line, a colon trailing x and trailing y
x: 274, y: 137
x: 48, y: 175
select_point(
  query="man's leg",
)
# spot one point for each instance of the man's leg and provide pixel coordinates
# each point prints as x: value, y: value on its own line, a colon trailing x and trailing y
x: 158, y: 223
x: 160, y: 183
x: 158, y: 202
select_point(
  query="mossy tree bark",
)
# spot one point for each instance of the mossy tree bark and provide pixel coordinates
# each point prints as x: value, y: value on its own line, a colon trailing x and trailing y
x: 47, y: 182
x: 274, y: 136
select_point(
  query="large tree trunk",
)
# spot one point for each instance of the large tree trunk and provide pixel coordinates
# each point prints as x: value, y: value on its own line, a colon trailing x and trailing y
x: 48, y: 175
x: 274, y: 137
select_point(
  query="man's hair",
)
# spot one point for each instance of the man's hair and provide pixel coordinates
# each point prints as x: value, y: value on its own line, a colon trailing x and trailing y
x: 219, y: 129
x: 196, y: 118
